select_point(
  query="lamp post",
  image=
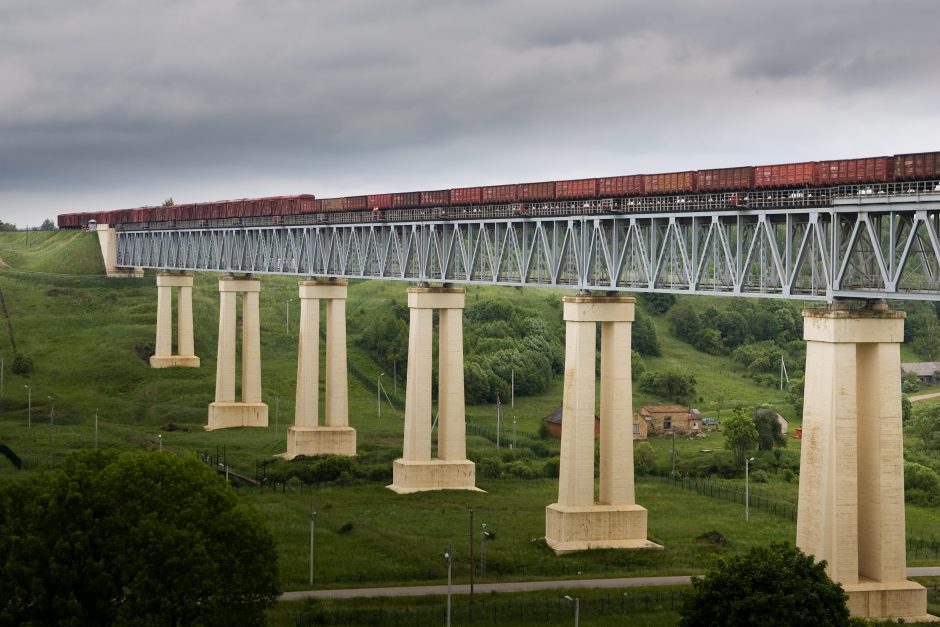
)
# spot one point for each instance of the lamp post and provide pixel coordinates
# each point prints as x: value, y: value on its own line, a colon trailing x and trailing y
x: 498, y: 419
x: 96, y: 428
x: 51, y: 415
x: 29, y: 401
x: 160, y: 438
x: 449, y: 556
x: 747, y: 495
x: 313, y: 518
x: 576, y: 602
x: 378, y: 394
x: 482, y: 550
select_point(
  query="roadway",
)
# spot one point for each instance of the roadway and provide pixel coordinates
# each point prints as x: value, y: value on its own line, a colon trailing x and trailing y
x: 522, y: 586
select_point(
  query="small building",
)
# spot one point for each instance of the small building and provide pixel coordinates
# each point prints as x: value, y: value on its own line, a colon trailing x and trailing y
x: 641, y: 427
x: 926, y: 371
x: 784, y: 424
x: 553, y: 420
x: 666, y: 419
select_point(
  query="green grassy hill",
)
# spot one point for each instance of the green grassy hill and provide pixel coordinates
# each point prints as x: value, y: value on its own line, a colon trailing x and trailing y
x: 88, y: 338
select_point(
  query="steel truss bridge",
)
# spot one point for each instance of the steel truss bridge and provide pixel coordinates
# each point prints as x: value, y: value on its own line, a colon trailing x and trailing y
x: 869, y: 246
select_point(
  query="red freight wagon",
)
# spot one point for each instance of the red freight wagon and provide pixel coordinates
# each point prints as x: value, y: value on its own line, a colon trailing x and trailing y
x: 331, y: 205
x: 436, y: 198
x: 579, y: 188
x: 669, y: 183
x: 356, y: 203
x: 499, y: 193
x: 466, y: 196
x: 923, y: 165
x: 786, y: 175
x: 536, y: 191
x: 724, y: 179
x: 380, y: 201
x: 405, y: 200
x: 613, y: 186
x: 846, y: 171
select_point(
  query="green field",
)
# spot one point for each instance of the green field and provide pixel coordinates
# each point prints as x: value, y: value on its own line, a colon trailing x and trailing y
x: 88, y: 337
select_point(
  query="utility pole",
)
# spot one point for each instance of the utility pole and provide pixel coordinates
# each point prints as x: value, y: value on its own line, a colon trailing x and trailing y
x: 471, y: 565
x: 498, y: 421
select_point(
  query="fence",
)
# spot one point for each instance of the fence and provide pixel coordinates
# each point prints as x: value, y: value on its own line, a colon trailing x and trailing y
x: 733, y: 492
x: 489, y: 611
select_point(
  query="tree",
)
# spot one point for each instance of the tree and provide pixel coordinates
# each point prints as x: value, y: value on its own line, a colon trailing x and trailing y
x: 767, y: 586
x: 740, y: 436
x: 671, y: 383
x: 659, y: 303
x: 141, y: 539
x: 643, y: 336
x: 926, y: 426
x: 168, y: 202
x: 907, y: 409
x: 768, y: 429
x: 47, y: 225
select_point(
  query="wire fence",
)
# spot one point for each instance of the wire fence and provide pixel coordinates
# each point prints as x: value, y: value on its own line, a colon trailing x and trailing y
x: 730, y: 491
x: 488, y: 611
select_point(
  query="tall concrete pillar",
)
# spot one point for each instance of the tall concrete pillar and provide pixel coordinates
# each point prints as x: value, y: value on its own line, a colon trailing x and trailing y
x: 226, y: 412
x: 851, y: 503
x: 576, y: 522
x: 417, y: 471
x: 307, y: 437
x: 164, y: 357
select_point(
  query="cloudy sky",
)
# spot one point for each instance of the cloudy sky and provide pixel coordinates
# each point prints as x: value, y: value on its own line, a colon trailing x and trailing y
x: 121, y: 103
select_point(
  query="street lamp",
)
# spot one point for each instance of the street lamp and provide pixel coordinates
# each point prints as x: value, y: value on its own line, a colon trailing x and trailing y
x: 313, y: 518
x: 378, y: 394
x: 29, y: 419
x: 747, y: 495
x: 96, y: 428
x: 51, y: 415
x: 577, y: 607
x: 450, y: 562
x: 160, y: 437
x: 482, y: 550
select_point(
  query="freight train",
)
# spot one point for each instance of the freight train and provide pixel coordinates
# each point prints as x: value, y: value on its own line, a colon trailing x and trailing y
x: 811, y: 183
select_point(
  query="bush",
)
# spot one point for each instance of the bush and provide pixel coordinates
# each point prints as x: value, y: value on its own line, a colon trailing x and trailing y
x: 759, y: 476
x: 22, y: 365
x: 921, y: 485
x: 775, y: 585
x: 551, y: 467
x: 644, y: 459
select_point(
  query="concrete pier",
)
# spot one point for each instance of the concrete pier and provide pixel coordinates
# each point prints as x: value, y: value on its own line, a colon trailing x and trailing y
x: 107, y: 240
x: 576, y: 522
x: 185, y: 356
x: 307, y: 437
x: 851, y: 503
x: 417, y: 471
x: 226, y: 412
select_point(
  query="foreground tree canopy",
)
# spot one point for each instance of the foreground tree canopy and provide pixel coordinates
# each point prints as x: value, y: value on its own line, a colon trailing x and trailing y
x: 775, y: 585
x: 140, y: 539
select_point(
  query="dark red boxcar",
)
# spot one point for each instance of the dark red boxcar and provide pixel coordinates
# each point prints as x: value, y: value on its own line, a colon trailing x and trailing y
x: 669, y: 183
x: 578, y: 188
x: 724, y: 179
x: 466, y: 196
x: 531, y: 192
x: 406, y: 200
x: 847, y: 171
x: 356, y: 203
x: 786, y: 175
x: 435, y: 198
x: 921, y: 165
x: 500, y: 193
x: 331, y: 205
x: 380, y: 201
x: 613, y: 186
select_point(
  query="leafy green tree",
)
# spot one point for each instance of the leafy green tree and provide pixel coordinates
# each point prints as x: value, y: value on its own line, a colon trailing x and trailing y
x: 47, y: 225
x: 141, y: 539
x: 907, y: 409
x: 168, y: 202
x: 644, y: 458
x: 910, y: 382
x: 671, y: 383
x: 794, y: 391
x: 926, y: 426
x: 767, y: 586
x: 684, y: 321
x: 768, y: 429
x: 643, y: 336
x: 921, y: 485
x: 7, y: 226
x: 741, y: 436
x: 659, y: 303
x: 733, y: 328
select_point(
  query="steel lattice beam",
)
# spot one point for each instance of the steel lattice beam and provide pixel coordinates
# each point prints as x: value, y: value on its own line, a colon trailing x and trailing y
x: 884, y: 247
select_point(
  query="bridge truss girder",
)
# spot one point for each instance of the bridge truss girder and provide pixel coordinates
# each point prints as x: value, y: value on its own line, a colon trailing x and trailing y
x: 885, y: 247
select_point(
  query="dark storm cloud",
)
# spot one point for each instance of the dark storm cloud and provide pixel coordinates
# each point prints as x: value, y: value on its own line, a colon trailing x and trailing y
x: 105, y: 97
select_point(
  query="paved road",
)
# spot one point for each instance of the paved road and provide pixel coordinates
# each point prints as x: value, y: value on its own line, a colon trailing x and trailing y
x: 520, y: 586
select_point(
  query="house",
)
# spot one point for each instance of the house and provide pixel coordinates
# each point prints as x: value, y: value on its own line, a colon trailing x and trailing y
x: 667, y: 419
x: 926, y: 371
x: 553, y: 420
x: 784, y: 424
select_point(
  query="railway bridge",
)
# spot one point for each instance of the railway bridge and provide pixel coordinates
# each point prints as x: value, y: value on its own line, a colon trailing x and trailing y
x: 851, y: 254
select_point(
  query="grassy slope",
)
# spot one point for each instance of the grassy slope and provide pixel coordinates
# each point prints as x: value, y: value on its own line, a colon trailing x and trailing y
x: 82, y: 331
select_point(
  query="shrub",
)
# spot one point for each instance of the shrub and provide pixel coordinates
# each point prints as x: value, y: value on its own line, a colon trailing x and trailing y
x: 759, y: 476
x: 22, y: 364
